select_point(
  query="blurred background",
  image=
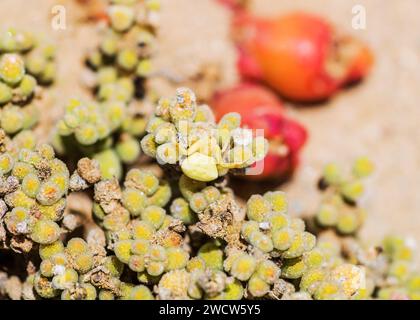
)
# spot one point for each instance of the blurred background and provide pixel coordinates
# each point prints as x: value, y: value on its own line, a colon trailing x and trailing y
x: 379, y: 118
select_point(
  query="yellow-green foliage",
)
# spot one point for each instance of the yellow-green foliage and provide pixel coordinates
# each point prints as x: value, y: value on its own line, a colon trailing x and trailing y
x: 34, y: 181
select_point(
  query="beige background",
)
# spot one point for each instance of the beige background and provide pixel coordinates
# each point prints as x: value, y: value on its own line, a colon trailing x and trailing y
x: 379, y: 118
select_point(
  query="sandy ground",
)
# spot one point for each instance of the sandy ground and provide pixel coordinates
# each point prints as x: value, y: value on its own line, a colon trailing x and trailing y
x: 379, y: 118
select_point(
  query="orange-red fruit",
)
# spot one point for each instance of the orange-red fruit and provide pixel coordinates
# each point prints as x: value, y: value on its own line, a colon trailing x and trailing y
x: 261, y: 109
x: 94, y: 10
x: 300, y: 55
x: 234, y: 5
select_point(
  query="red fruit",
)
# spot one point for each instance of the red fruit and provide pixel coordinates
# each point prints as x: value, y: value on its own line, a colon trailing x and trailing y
x: 94, y: 10
x: 300, y: 55
x: 261, y: 109
x: 246, y: 96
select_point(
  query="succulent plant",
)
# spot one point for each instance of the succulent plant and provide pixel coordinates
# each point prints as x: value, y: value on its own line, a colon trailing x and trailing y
x: 185, y: 136
x: 177, y: 233
x: 105, y: 131
x: 26, y: 63
x: 121, y: 63
x: 339, y: 208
